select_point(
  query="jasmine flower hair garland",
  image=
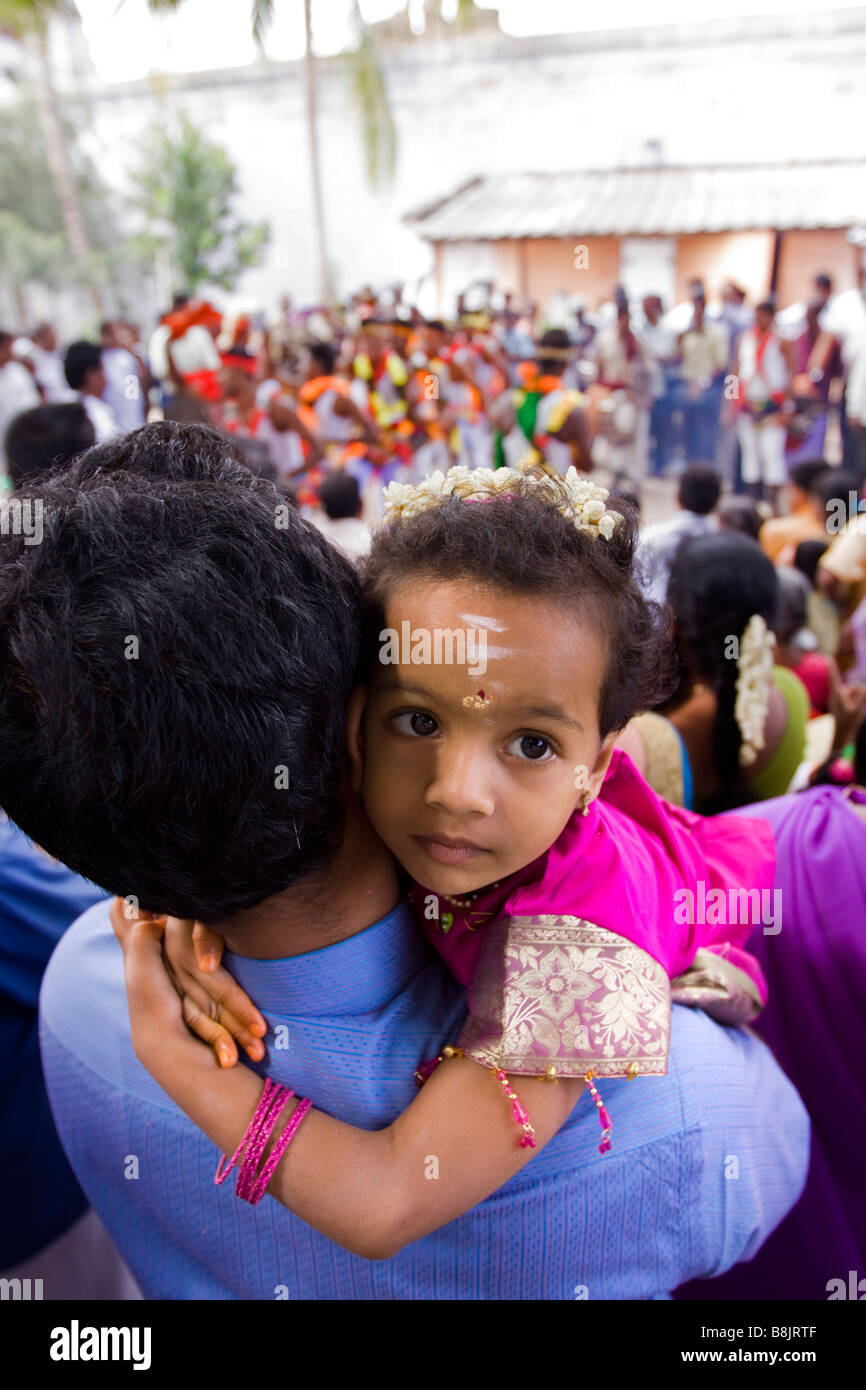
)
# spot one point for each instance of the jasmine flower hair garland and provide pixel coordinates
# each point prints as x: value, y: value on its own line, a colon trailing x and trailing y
x: 579, y: 500
x: 754, y: 677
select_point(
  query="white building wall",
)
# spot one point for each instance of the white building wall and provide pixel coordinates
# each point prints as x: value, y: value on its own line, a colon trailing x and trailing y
x: 728, y: 92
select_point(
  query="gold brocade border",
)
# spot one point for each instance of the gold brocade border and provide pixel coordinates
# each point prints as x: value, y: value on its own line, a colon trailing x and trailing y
x: 562, y: 992
x: 567, y: 1067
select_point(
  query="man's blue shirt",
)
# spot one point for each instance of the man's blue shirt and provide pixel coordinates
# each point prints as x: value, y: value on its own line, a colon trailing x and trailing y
x: 705, y: 1161
x: 39, y: 898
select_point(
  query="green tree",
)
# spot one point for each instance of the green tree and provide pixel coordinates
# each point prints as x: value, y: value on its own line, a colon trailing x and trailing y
x: 26, y: 255
x: 369, y: 96
x: 30, y: 21
x: 33, y: 243
x: 190, y: 183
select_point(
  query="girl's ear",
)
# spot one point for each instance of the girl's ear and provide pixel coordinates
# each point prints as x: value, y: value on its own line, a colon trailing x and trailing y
x: 598, y: 772
x: 355, y: 734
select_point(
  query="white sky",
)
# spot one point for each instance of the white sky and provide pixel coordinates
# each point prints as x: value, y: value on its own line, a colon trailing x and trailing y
x: 128, y: 42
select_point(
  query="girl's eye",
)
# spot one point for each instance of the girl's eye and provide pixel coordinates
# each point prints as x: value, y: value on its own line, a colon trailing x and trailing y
x: 416, y: 722
x: 531, y: 747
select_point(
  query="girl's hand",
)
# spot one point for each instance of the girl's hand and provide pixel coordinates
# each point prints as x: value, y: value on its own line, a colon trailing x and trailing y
x: 160, y: 1038
x: 215, y: 1008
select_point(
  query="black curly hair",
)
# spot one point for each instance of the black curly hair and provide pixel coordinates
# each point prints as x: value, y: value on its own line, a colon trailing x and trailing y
x: 159, y: 777
x: 522, y: 543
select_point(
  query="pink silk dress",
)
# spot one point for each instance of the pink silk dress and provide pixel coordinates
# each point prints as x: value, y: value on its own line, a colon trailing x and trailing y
x: 573, y: 962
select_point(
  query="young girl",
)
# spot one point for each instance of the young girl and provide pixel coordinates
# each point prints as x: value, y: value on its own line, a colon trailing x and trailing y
x: 561, y: 891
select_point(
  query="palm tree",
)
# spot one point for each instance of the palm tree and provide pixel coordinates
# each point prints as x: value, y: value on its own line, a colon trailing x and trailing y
x: 368, y: 87
x: 326, y: 288
x: 29, y: 21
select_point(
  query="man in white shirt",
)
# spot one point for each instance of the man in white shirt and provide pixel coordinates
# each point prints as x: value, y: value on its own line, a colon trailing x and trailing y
x: 156, y: 348
x: 341, y: 521
x: 625, y: 368
x: 763, y: 374
x: 18, y: 389
x: 704, y: 352
x: 48, y: 365
x: 86, y: 375
x: 124, y: 393
x: 660, y: 343
x: 698, y: 495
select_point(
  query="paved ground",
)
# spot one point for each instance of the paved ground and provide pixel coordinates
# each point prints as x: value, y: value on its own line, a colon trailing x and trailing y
x: 658, y: 499
x: 658, y: 496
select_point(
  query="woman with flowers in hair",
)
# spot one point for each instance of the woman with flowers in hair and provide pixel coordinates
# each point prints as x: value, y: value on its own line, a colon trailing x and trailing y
x: 742, y: 719
x: 542, y: 866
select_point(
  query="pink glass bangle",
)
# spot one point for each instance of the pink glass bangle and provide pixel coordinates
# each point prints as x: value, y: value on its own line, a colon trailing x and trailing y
x: 252, y: 1182
x: 279, y: 1149
x: 256, y: 1147
x: 270, y: 1097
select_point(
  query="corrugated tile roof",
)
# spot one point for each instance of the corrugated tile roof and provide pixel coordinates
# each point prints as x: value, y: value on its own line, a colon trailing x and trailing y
x: 664, y: 200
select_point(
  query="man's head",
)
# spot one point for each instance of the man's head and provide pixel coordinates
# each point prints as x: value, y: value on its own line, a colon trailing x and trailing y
x: 699, y: 489
x: 175, y: 660
x: 801, y: 482
x: 46, y: 436
x: 831, y: 492
x: 806, y: 558
x: 434, y: 336
x: 45, y: 337
x: 82, y: 367
x: 320, y: 359
x: 740, y: 514
x: 823, y: 288
x: 553, y: 352
x: 340, y: 496
x: 765, y: 312
x: 237, y: 385
x: 652, y: 308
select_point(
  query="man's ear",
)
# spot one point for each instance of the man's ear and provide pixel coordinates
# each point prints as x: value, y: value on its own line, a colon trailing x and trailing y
x: 355, y: 734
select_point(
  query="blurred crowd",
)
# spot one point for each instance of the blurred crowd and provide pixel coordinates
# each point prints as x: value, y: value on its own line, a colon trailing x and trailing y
x: 378, y: 391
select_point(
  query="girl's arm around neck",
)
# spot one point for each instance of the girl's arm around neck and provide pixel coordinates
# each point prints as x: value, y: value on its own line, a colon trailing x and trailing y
x: 372, y: 1192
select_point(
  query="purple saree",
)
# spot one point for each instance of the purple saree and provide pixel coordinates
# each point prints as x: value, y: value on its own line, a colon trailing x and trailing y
x: 815, y: 1023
